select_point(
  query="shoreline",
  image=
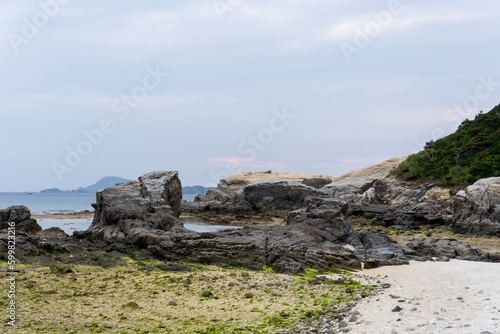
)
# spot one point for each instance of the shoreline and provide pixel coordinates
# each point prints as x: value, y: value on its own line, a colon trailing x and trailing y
x: 432, y: 297
x: 66, y: 215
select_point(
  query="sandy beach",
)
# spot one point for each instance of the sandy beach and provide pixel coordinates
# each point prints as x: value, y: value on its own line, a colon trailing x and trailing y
x: 433, y: 297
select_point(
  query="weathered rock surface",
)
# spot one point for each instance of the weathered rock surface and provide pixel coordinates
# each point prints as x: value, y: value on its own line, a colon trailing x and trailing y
x: 264, y: 195
x: 372, y: 192
x: 279, y: 195
x: 52, y: 232
x: 477, y: 208
x: 240, y: 180
x: 21, y: 216
x: 449, y: 249
x: 364, y: 178
x: 317, y: 235
x: 132, y: 209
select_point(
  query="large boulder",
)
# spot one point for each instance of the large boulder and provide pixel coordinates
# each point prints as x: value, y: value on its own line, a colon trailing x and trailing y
x: 477, y: 208
x: 279, y: 195
x: 128, y: 209
x: 448, y: 249
x: 21, y: 216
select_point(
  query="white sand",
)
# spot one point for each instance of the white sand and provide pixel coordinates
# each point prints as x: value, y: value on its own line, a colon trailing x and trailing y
x: 439, y: 297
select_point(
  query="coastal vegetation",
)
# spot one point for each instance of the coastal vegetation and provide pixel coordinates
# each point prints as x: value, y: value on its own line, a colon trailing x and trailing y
x: 463, y: 157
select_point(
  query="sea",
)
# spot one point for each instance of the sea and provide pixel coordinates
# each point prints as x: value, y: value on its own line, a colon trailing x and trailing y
x: 47, y: 203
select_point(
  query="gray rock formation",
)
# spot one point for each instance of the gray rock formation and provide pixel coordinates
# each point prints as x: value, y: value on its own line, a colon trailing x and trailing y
x: 317, y: 235
x: 477, y: 208
x: 132, y: 209
x: 449, y: 249
x: 279, y: 195
x: 21, y: 216
x: 236, y: 195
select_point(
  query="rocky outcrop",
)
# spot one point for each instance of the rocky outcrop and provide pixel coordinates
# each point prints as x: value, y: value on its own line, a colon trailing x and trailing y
x: 259, y: 191
x: 264, y: 195
x: 449, y: 249
x: 317, y: 235
x: 373, y: 193
x: 477, y: 208
x: 364, y: 178
x: 279, y: 195
x: 130, y: 210
x: 240, y: 180
x: 21, y: 216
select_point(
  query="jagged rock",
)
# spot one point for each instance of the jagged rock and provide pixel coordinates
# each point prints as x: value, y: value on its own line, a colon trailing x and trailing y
x: 132, y: 209
x: 477, y: 208
x: 15, y: 213
x: 259, y: 191
x: 219, y: 200
x: 279, y: 195
x: 25, y: 246
x: 21, y: 216
x: 316, y: 236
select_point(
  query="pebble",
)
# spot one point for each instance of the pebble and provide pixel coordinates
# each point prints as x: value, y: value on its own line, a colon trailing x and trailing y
x: 343, y: 324
x: 397, y: 309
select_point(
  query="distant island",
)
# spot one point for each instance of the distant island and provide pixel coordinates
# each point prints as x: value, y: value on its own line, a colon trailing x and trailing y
x: 195, y: 190
x: 110, y: 181
x: 103, y: 183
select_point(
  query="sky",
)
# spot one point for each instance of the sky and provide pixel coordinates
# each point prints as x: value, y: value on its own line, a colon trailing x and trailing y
x: 210, y: 88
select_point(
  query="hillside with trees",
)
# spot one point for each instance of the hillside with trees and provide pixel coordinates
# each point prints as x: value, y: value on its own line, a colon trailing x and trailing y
x: 469, y: 154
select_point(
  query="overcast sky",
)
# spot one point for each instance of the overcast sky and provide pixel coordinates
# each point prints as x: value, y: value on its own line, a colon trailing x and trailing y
x: 208, y: 88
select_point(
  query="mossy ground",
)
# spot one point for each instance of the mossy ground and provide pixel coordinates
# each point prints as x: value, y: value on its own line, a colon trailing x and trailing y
x: 128, y: 300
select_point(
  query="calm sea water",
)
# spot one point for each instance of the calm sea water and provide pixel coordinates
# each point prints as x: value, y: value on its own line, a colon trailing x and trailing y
x: 39, y: 203
x: 75, y: 202
x: 49, y: 203
x: 71, y: 225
